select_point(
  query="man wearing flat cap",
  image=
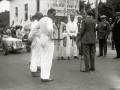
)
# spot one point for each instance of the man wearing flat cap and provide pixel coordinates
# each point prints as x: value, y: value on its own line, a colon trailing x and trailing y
x: 116, y: 35
x: 102, y: 34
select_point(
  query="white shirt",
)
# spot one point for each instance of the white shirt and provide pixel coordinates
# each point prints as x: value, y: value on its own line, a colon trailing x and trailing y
x: 35, y: 30
x: 72, y: 28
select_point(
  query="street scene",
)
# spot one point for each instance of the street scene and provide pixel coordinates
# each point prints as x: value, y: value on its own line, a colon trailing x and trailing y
x: 59, y: 44
x: 16, y: 75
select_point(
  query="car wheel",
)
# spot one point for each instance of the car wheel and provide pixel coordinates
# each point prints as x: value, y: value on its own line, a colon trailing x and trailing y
x: 5, y: 48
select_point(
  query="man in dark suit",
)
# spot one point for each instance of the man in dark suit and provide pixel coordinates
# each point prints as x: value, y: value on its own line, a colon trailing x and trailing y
x: 79, y: 24
x: 88, y: 38
x: 103, y: 32
x: 116, y: 35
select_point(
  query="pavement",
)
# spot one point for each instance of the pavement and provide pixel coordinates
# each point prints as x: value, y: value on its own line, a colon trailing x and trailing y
x: 15, y: 73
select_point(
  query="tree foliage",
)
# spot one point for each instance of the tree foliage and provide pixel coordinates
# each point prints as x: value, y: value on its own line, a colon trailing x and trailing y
x: 113, y: 1
x: 4, y: 18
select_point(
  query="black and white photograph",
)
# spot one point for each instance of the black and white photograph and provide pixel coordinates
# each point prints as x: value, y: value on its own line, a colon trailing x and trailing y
x: 59, y: 44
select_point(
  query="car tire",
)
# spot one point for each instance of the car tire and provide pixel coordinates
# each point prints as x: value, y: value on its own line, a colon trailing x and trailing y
x: 5, y: 48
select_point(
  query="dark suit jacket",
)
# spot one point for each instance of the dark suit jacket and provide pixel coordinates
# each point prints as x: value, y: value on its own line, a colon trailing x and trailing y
x: 87, y: 33
x: 116, y: 30
x: 103, y: 30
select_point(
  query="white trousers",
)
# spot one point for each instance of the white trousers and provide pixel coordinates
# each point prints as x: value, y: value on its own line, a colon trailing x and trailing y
x: 59, y: 48
x: 47, y: 50
x: 35, y: 54
x: 71, y: 43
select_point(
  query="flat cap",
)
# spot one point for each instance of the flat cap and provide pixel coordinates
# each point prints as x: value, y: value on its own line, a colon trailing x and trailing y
x: 103, y: 16
x: 117, y: 14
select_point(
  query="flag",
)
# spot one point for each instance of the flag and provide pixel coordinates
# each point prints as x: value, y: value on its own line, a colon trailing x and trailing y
x: 12, y: 23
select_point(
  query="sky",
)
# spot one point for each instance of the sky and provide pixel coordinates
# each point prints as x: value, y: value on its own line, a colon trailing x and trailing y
x: 5, y: 5
x: 93, y: 1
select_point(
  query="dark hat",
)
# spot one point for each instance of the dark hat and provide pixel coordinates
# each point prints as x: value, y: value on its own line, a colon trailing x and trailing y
x: 89, y: 12
x: 38, y: 14
x: 103, y: 16
x: 117, y: 14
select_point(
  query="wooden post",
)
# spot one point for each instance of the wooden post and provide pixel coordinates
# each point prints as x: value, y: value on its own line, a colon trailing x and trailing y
x: 96, y: 11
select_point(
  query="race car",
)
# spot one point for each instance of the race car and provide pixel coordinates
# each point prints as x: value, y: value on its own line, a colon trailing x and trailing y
x: 7, y: 43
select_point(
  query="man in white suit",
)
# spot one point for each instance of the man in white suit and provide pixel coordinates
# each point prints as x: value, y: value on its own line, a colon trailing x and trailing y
x: 59, y: 37
x: 34, y: 37
x: 72, y: 30
x: 47, y: 45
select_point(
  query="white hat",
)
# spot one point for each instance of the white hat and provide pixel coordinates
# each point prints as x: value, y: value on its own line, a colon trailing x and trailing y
x: 103, y: 16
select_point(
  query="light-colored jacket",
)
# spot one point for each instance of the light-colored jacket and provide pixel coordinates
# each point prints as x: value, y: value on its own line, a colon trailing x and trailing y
x: 59, y: 31
x: 35, y: 31
x: 72, y: 29
x: 46, y: 27
x: 19, y: 34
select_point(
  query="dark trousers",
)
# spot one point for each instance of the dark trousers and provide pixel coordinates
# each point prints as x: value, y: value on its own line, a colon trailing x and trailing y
x: 117, y: 46
x: 113, y: 44
x: 81, y: 50
x: 89, y: 55
x: 102, y: 46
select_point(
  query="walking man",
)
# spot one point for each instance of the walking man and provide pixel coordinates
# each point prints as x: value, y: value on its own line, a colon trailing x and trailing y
x: 72, y: 31
x: 88, y: 38
x: 103, y: 32
x: 47, y: 44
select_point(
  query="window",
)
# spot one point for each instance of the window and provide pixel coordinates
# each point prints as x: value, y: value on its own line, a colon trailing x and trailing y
x: 26, y: 12
x: 38, y: 5
x: 16, y: 11
x: 56, y: 5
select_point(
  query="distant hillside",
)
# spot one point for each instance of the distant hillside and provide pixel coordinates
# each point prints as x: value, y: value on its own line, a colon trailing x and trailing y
x: 4, y: 18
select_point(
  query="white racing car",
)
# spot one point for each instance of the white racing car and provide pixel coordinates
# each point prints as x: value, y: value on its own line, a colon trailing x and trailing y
x: 7, y: 43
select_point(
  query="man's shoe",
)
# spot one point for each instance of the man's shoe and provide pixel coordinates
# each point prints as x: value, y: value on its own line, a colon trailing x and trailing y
x: 92, y: 69
x: 86, y: 70
x: 99, y: 55
x: 35, y: 74
x: 116, y: 57
x: 75, y: 57
x: 47, y: 80
x: 62, y: 58
x: 68, y: 58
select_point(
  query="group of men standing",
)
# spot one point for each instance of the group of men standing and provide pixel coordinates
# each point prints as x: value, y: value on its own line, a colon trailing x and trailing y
x: 104, y: 28
x: 45, y: 32
x: 42, y: 47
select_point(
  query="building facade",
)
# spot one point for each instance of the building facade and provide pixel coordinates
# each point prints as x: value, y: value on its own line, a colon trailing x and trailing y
x: 22, y: 10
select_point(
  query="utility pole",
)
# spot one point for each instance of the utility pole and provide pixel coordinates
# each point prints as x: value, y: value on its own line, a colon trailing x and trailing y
x: 96, y: 11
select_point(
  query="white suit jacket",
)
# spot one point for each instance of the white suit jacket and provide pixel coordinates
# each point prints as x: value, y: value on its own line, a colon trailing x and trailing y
x: 35, y: 31
x: 60, y: 31
x: 72, y: 29
x: 46, y: 27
